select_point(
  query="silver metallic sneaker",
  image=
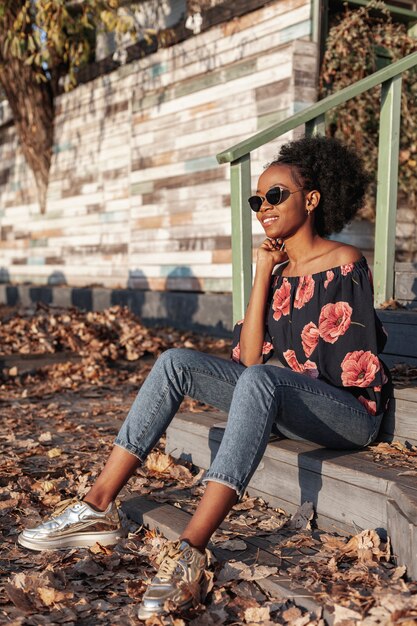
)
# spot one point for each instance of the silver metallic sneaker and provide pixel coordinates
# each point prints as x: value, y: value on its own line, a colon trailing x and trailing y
x: 74, y: 524
x: 181, y: 569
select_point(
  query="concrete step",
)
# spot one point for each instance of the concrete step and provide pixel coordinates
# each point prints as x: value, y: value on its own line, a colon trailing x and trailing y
x: 348, y: 489
x: 401, y: 326
x: 29, y: 362
x: 171, y: 521
x: 400, y: 421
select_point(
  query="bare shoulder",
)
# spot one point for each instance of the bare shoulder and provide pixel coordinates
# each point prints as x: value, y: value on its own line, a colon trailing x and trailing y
x: 342, y: 253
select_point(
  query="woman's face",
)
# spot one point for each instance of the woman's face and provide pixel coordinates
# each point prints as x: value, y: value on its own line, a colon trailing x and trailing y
x: 284, y: 219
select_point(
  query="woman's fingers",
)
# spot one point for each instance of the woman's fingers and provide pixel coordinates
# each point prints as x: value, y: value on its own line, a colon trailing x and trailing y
x: 272, y: 251
x: 273, y: 244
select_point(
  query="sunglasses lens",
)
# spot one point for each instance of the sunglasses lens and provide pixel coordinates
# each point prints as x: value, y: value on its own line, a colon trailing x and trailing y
x: 274, y: 195
x: 255, y: 203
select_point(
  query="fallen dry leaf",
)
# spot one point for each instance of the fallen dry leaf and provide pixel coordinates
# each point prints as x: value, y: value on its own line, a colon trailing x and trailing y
x: 245, y: 505
x: 257, y: 614
x: 43, y: 437
x: 97, y: 548
x: 391, y: 304
x: 233, y: 545
x: 51, y: 596
x: 54, y: 452
x: 158, y: 462
x: 257, y: 572
x: 301, y: 520
x: 344, y: 616
x: 229, y: 571
x: 398, y: 572
x: 291, y: 614
x: 271, y: 524
x: 306, y: 620
x: 365, y: 547
x: 332, y: 543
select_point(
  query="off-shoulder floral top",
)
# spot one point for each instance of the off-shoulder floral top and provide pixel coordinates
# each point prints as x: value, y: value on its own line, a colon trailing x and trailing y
x: 324, y: 325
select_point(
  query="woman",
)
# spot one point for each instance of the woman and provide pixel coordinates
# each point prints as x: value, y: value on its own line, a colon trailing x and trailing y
x: 315, y: 312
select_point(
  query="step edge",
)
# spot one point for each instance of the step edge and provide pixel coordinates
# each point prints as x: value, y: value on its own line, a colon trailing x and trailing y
x: 328, y: 463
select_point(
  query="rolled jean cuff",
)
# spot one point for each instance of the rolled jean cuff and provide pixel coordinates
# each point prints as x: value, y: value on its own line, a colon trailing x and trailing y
x: 129, y: 448
x: 225, y: 480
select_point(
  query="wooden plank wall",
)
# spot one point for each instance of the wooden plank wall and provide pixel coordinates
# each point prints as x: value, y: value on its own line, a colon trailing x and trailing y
x: 136, y: 197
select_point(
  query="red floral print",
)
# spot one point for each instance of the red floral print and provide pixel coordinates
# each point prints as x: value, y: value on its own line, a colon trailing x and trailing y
x: 334, y: 320
x: 267, y: 347
x: 309, y: 368
x: 281, y: 300
x: 329, y: 278
x: 305, y: 291
x: 309, y: 338
x: 236, y: 353
x: 359, y: 368
x: 289, y: 356
x: 347, y: 268
x: 369, y: 405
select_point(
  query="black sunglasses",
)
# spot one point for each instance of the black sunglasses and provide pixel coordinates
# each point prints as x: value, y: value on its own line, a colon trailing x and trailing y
x: 273, y: 196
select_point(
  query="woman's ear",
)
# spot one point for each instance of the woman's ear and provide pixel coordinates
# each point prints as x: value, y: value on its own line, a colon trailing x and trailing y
x: 312, y: 200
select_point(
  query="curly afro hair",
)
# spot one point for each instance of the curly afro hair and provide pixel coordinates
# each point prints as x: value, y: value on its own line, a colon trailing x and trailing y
x: 325, y: 164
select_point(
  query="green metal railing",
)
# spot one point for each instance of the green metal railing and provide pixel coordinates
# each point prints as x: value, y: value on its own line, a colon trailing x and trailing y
x: 387, y: 179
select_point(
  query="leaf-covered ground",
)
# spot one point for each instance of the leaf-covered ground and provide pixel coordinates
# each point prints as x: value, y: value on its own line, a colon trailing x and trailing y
x: 58, y: 424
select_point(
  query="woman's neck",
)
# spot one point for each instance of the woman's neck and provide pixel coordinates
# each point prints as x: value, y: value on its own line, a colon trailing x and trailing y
x: 303, y: 248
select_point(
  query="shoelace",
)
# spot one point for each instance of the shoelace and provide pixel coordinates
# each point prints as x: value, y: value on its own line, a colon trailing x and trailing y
x: 64, y: 505
x: 167, y: 560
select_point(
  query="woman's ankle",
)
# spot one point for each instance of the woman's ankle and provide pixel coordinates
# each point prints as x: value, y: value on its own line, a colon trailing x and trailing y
x: 95, y: 507
x: 194, y: 544
x: 97, y: 502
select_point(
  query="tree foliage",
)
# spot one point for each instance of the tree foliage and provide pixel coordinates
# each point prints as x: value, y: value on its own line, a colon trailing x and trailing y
x: 351, y: 54
x: 43, y: 43
x: 57, y: 37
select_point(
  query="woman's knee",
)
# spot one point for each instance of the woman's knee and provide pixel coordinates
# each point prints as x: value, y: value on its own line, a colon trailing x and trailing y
x: 253, y: 377
x: 260, y: 383
x: 173, y: 357
x: 255, y: 402
x: 255, y: 386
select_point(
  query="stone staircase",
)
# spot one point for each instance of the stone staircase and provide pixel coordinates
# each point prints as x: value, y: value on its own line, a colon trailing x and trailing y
x: 350, y: 490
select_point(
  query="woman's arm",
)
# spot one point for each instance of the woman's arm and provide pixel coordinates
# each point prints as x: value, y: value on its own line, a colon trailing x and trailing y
x: 253, y: 329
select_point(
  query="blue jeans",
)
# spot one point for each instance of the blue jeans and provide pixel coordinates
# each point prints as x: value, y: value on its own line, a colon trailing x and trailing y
x: 256, y: 398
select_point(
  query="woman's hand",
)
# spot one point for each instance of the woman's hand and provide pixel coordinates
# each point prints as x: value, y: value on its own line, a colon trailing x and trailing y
x: 271, y: 253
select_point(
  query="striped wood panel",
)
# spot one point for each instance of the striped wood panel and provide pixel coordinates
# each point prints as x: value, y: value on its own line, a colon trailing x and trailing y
x: 135, y: 188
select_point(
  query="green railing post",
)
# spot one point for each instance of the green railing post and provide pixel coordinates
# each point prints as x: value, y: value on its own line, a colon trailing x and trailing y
x: 240, y: 183
x: 387, y: 189
x: 316, y: 126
